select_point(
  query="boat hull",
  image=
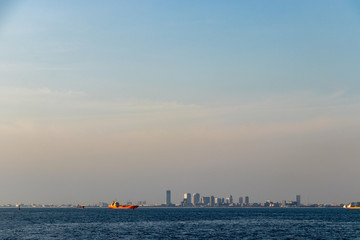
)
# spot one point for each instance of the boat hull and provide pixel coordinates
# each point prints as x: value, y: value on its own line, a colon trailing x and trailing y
x: 124, y: 207
x: 352, y: 207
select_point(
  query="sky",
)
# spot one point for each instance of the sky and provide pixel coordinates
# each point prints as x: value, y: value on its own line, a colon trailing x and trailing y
x: 127, y: 99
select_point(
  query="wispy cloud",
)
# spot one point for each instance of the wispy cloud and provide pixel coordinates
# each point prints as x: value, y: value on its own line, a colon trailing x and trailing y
x: 38, y: 115
x: 271, y: 112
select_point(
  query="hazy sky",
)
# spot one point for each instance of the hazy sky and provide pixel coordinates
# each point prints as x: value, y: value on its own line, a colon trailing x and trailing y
x: 104, y: 100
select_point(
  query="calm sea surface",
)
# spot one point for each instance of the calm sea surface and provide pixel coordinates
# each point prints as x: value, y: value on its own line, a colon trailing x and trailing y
x: 172, y: 223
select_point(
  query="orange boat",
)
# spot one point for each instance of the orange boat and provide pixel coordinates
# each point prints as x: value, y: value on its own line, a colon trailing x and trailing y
x: 116, y: 205
x: 353, y: 205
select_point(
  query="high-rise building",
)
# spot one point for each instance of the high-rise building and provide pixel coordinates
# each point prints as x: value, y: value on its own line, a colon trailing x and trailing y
x: 168, y: 197
x: 212, y: 201
x: 247, y: 200
x: 196, y: 199
x: 205, y: 200
x: 231, y: 199
x: 298, y: 200
x: 241, y: 200
x: 187, y: 200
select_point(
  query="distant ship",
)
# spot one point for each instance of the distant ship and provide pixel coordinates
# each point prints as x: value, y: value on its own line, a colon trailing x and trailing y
x: 116, y: 205
x: 353, y: 205
x: 80, y: 206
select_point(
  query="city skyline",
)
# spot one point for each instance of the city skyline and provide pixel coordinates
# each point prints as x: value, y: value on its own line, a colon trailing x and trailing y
x: 195, y: 200
x: 125, y: 99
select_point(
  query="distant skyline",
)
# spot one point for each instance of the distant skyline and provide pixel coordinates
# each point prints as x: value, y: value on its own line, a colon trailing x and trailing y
x: 126, y: 99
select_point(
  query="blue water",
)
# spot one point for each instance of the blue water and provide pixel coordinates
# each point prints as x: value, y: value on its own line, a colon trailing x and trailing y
x: 179, y: 223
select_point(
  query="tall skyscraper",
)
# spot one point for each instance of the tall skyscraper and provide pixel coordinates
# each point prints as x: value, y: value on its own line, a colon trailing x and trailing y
x: 231, y: 199
x: 196, y: 199
x: 212, y: 201
x: 241, y: 200
x: 187, y: 200
x: 298, y: 200
x: 168, y: 197
x: 247, y: 200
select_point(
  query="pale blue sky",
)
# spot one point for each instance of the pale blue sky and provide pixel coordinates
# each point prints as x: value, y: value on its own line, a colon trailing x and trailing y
x: 218, y: 97
x: 185, y: 51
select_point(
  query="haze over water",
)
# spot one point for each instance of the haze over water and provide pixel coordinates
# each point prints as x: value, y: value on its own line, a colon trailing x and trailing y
x: 126, y: 99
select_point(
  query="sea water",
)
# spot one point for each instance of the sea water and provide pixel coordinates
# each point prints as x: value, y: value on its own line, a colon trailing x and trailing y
x: 179, y: 223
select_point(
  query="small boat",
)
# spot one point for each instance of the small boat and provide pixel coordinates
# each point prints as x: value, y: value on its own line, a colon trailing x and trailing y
x: 116, y: 205
x: 80, y: 206
x: 353, y: 205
